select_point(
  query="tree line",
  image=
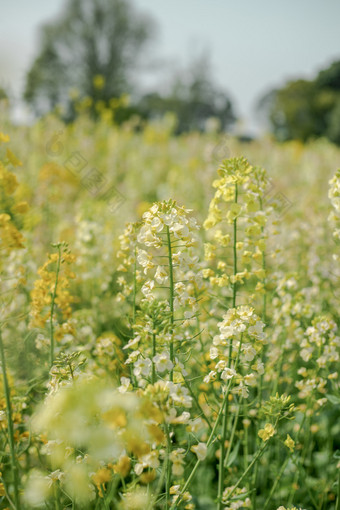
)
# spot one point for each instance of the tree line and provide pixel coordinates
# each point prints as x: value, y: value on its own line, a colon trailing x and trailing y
x: 97, y: 51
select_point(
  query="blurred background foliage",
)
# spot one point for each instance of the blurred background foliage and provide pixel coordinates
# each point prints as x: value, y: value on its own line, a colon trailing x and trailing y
x: 92, y: 57
x: 305, y: 109
x: 94, y: 53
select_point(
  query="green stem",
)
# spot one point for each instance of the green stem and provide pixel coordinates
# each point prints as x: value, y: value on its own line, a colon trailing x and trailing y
x: 52, y: 306
x: 134, y: 293
x: 278, y: 370
x: 254, y: 483
x: 195, y: 399
x: 159, y: 484
x: 56, y: 497
x: 198, y: 325
x: 234, y: 269
x: 172, y: 356
x: 245, y: 440
x: 222, y: 460
x: 264, y: 309
x: 337, y: 506
x: 232, y: 436
x: 235, y: 251
x: 222, y: 442
x: 255, y: 474
x: 302, y: 473
x: 302, y: 453
x: 255, y: 459
x: 134, y: 289
x: 209, y: 442
x: 264, y: 280
x: 264, y: 313
x: 153, y: 377
x: 168, y: 467
x: 10, y: 426
x: 277, y: 479
x: 171, y: 300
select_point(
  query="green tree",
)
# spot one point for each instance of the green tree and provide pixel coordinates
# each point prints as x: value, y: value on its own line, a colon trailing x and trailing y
x: 95, y: 47
x: 193, y: 97
x: 305, y: 109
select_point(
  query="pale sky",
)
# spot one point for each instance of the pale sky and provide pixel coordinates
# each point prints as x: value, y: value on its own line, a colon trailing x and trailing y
x: 254, y: 45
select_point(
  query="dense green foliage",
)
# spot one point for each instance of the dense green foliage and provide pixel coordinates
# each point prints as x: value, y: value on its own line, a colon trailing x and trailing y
x: 307, y: 109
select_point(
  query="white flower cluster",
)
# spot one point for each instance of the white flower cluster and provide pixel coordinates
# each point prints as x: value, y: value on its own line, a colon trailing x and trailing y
x: 93, y: 242
x: 334, y: 196
x: 240, y: 502
x: 165, y: 227
x: 127, y: 257
x: 169, y: 277
x: 167, y: 214
x: 320, y: 349
x: 241, y: 331
x: 290, y: 508
x: 150, y: 344
x: 320, y: 339
x: 308, y: 387
x: 164, y: 237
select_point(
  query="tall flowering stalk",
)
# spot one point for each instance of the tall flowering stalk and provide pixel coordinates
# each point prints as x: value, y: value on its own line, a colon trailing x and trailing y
x: 10, y: 425
x: 51, y: 294
x: 54, y: 295
x: 127, y: 255
x: 11, y: 239
x: 334, y: 196
x: 239, y: 367
x: 236, y: 253
x: 171, y: 296
x: 237, y: 230
x: 165, y: 283
x: 166, y: 275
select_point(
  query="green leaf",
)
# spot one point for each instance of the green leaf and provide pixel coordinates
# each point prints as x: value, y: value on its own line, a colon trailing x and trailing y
x: 233, y: 454
x: 334, y: 399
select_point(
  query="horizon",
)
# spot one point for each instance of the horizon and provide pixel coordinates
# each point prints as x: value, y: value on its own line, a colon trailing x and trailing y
x: 252, y: 67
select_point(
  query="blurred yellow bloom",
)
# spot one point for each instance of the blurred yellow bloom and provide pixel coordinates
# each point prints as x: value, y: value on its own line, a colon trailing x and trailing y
x: 200, y: 450
x: 4, y: 138
x: 123, y: 466
x: 12, y: 158
x: 267, y: 432
x: 101, y: 477
x: 7, y: 180
x: 99, y: 81
x: 290, y: 443
x: 20, y: 208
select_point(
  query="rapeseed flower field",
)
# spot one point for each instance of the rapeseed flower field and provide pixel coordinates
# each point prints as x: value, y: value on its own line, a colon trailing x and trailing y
x: 169, y: 318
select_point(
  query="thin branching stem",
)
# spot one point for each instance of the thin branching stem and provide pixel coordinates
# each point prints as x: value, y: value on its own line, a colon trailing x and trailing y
x: 53, y: 305
x: 171, y: 299
x: 10, y: 426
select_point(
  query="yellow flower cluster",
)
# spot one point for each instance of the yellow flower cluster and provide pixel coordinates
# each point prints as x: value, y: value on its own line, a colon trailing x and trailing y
x: 91, y: 417
x: 10, y: 207
x: 267, y: 432
x: 53, y: 284
x: 290, y: 443
x: 235, y: 350
x: 10, y: 237
x: 236, y: 225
